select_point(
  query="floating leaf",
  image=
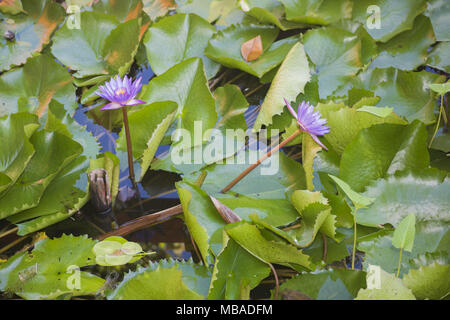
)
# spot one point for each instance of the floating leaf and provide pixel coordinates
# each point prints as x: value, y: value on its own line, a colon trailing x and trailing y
x: 424, y: 195
x: 429, y: 282
x: 257, y: 184
x: 345, y: 123
x: 177, y: 38
x: 116, y: 251
x: 186, y: 85
x: 11, y: 6
x: 391, y: 288
x: 157, y: 8
x: 32, y: 29
x: 236, y: 272
x: 250, y: 238
x: 395, y: 17
x: 289, y: 81
x: 31, y: 88
x: 201, y: 217
x: 51, y: 270
x: 438, y: 12
x: 225, y: 48
x: 369, y: 156
x: 336, y: 54
x: 107, y: 46
x: 122, y: 10
x: 164, y: 281
x: 16, y: 149
x: 328, y: 285
x: 408, y: 50
x: 52, y: 149
x: 317, y: 11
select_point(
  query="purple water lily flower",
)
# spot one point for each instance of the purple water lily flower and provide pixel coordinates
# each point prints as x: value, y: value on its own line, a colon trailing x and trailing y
x: 309, y: 121
x: 120, y: 92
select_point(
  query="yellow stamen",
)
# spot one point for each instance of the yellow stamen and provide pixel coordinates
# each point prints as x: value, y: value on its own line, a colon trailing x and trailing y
x: 120, y: 91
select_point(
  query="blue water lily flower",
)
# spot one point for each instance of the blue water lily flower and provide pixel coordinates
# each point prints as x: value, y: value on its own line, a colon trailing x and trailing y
x: 309, y: 121
x: 120, y: 92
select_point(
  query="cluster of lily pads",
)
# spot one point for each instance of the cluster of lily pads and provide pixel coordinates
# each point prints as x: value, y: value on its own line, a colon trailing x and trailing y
x: 372, y: 184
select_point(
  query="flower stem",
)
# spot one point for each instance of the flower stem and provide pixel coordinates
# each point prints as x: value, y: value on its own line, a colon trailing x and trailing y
x: 354, y: 241
x: 399, y: 262
x: 260, y: 160
x: 129, y: 148
x: 441, y: 111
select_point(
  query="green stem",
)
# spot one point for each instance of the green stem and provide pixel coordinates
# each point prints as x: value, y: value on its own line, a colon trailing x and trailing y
x: 354, y: 240
x: 441, y: 109
x: 399, y: 262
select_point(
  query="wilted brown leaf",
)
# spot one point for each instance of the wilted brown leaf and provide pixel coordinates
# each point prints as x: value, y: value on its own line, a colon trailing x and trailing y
x: 226, y: 213
x: 252, y: 49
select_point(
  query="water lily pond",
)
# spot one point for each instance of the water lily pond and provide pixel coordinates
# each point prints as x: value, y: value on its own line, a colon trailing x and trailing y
x: 224, y: 150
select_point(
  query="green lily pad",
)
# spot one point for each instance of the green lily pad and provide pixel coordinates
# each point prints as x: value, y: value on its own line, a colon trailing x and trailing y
x: 320, y: 12
x: 395, y: 17
x: 368, y: 157
x: 167, y: 280
x: 346, y: 123
x: 429, y: 282
x: 11, y: 6
x: 225, y: 48
x: 438, y: 12
x: 425, y: 195
x: 334, y: 284
x: 53, y: 149
x: 269, y: 251
x: 202, y: 218
x: 391, y: 288
x: 107, y: 47
x: 16, y: 150
x: 440, y: 56
x: 176, y: 38
x: 32, y: 27
x: 409, y: 49
x: 51, y: 270
x: 116, y: 251
x: 157, y: 8
x: 186, y: 85
x: 236, y: 272
x: 336, y: 54
x: 31, y: 88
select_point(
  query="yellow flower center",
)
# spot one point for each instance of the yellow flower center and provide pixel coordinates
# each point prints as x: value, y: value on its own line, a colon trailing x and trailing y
x: 120, y: 91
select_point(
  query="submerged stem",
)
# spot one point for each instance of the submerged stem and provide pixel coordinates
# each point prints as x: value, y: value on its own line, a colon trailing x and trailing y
x: 129, y: 147
x: 260, y: 160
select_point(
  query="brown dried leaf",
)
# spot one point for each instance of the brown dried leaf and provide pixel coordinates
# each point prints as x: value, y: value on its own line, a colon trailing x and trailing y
x: 226, y: 213
x: 252, y: 49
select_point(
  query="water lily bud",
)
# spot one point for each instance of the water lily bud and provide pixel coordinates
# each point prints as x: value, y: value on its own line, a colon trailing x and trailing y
x: 9, y: 35
x: 100, y: 190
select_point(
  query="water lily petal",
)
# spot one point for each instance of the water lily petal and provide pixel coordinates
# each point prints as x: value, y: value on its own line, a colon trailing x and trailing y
x: 111, y: 106
x: 318, y: 141
x: 134, y: 102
